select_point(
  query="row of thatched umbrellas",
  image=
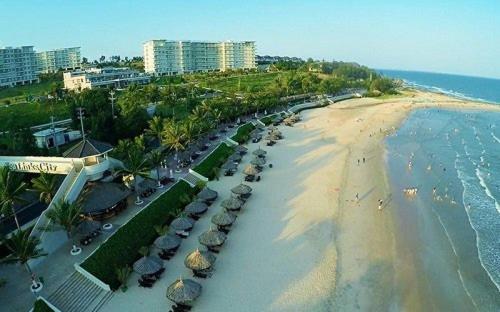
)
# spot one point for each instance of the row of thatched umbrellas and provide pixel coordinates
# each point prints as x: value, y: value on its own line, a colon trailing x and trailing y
x: 184, y: 291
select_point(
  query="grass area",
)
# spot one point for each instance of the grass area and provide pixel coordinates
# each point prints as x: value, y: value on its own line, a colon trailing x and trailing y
x: 268, y: 119
x: 209, y: 166
x: 121, y: 249
x: 18, y: 94
x: 41, y: 306
x: 242, y: 83
x: 243, y: 133
x: 389, y: 96
x: 29, y: 114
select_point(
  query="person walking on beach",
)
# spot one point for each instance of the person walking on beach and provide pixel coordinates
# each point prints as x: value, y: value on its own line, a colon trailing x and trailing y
x: 357, y: 197
x: 364, y: 160
x: 380, y: 202
x: 358, y: 161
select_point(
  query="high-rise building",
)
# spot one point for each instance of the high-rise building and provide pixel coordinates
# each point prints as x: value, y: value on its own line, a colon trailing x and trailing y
x: 54, y: 60
x: 17, y: 66
x: 165, y: 57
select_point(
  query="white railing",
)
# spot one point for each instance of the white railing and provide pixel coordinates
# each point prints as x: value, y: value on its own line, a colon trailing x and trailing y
x: 197, y: 175
x: 91, y: 277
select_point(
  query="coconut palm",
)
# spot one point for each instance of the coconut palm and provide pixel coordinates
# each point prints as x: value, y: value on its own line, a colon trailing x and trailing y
x: 155, y: 128
x: 137, y: 166
x: 12, y: 187
x: 122, y: 275
x: 66, y: 216
x: 46, y: 185
x: 23, y: 248
x: 156, y: 158
x: 174, y: 137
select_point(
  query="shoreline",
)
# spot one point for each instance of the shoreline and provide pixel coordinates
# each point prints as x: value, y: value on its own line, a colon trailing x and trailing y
x: 303, y: 241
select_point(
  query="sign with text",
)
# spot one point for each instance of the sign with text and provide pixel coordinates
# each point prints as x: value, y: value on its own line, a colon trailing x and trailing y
x: 54, y: 165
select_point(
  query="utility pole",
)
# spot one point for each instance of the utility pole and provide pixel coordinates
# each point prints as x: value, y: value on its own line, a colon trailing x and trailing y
x: 80, y: 116
x: 112, y: 98
x: 54, y: 134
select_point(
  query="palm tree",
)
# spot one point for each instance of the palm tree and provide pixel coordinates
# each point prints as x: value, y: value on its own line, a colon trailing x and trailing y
x: 66, y: 216
x: 137, y: 166
x: 174, y: 137
x: 46, y: 184
x: 156, y: 158
x: 12, y: 187
x: 155, y: 128
x: 23, y: 248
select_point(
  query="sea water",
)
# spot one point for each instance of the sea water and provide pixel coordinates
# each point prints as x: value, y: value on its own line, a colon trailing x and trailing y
x: 467, y: 87
x: 453, y: 159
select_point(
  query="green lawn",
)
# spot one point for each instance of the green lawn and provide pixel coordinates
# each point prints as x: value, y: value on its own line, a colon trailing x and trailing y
x: 18, y: 94
x: 208, y: 167
x: 243, y: 133
x: 242, y: 83
x: 30, y: 114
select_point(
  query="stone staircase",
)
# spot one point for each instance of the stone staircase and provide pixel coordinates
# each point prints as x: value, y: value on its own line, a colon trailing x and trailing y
x: 79, y: 294
x: 191, y: 179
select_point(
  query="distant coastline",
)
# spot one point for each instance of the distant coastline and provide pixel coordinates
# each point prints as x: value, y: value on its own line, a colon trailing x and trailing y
x: 479, y: 89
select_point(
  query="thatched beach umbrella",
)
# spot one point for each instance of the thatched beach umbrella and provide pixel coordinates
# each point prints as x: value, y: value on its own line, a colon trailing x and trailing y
x: 241, y: 189
x: 224, y: 218
x: 272, y: 137
x: 250, y: 170
x: 258, y: 161
x: 241, y: 149
x: 199, y: 260
x: 259, y: 152
x: 88, y: 226
x: 232, y: 203
x: 168, y: 241
x: 182, y: 224
x: 196, y: 207
x: 148, y: 265
x: 212, y: 238
x: 229, y: 166
x: 183, y: 292
x: 207, y: 194
x: 235, y: 158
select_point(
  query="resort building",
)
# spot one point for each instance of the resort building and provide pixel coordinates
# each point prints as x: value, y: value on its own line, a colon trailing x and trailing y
x: 17, y: 66
x: 117, y: 78
x: 166, y: 57
x: 54, y: 60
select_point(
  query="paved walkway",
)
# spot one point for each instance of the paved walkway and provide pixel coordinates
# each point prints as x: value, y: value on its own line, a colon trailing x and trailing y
x: 58, y: 266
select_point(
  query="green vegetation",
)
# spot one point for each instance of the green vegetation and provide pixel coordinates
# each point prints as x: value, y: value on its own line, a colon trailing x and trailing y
x: 209, y: 165
x: 268, y: 119
x: 121, y: 249
x: 41, y: 306
x: 241, y: 83
x: 243, y: 133
x: 49, y: 84
x: 24, y: 115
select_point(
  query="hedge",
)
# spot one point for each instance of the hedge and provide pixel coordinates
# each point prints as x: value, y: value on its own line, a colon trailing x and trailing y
x: 121, y: 248
x: 214, y: 160
x: 268, y: 119
x: 41, y: 306
x: 243, y: 133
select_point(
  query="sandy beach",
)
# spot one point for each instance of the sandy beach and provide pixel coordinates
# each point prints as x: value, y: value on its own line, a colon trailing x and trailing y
x: 303, y: 242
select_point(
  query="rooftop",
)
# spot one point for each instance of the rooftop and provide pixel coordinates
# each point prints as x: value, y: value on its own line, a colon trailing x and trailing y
x: 87, y: 148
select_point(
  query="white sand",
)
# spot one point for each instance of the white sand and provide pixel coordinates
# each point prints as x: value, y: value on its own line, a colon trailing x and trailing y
x: 302, y: 243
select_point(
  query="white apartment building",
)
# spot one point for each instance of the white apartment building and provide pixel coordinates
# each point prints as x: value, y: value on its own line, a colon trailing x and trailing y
x: 54, y: 60
x: 17, y: 66
x: 166, y: 57
x: 117, y: 78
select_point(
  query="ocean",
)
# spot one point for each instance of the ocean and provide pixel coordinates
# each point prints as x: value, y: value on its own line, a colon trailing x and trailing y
x: 453, y: 159
x: 475, y: 88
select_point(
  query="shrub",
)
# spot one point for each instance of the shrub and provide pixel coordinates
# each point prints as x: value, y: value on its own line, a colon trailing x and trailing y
x: 121, y: 249
x: 243, y: 133
x: 208, y: 166
x: 268, y: 119
x: 41, y: 306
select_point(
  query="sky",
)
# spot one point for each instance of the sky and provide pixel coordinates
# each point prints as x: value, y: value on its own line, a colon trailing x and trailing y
x: 449, y: 36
